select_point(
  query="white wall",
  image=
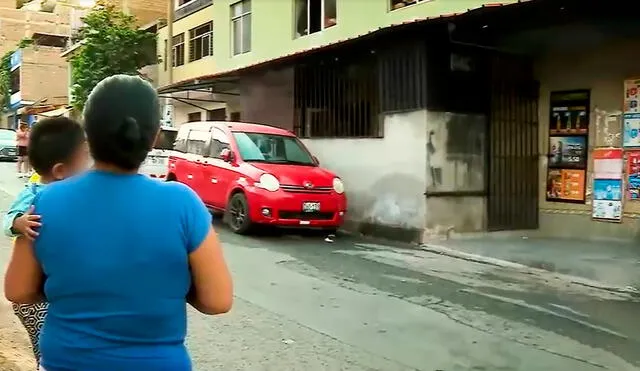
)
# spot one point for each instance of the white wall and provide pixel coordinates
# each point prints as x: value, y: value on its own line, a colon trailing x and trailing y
x: 181, y: 111
x: 385, y: 178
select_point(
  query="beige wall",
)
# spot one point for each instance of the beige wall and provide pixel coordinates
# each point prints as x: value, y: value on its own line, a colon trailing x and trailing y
x: 602, y: 68
x: 147, y: 11
x: 16, y: 24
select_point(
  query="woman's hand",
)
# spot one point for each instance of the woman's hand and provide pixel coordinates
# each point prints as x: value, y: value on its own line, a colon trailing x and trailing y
x: 212, y: 289
x: 24, y: 279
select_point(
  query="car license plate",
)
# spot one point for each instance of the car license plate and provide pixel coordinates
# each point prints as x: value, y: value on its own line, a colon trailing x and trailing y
x: 310, y: 207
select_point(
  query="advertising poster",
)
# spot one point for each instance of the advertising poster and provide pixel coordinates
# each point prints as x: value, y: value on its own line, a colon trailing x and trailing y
x: 569, y: 112
x: 607, y: 184
x: 568, y: 152
x: 633, y: 175
x: 608, y: 163
x: 607, y: 210
x: 607, y: 189
x: 632, y: 96
x: 631, y: 130
x: 566, y: 185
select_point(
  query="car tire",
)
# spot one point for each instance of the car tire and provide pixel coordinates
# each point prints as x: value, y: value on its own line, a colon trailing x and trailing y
x: 236, y: 214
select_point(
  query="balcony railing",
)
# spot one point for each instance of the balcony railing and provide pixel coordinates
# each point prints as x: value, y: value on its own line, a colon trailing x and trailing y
x: 191, y: 8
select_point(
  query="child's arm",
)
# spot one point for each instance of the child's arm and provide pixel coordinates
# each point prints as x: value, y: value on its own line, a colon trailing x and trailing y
x: 19, y: 207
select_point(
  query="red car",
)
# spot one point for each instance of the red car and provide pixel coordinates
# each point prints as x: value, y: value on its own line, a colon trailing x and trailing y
x: 257, y: 174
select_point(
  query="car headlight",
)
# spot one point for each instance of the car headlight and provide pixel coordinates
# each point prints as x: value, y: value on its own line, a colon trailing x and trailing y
x: 268, y: 182
x: 338, y: 186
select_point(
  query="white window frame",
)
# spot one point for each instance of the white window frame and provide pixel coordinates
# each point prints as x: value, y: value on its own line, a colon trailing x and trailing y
x: 177, y: 4
x: 174, y: 49
x: 240, y: 18
x: 208, y: 48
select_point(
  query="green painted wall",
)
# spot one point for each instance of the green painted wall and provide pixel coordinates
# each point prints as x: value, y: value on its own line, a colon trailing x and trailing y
x: 273, y: 26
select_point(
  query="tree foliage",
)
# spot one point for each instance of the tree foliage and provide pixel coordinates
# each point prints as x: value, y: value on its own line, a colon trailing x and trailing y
x: 111, y: 44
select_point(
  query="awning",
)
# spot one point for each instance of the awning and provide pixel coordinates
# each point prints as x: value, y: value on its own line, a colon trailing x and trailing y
x: 55, y: 112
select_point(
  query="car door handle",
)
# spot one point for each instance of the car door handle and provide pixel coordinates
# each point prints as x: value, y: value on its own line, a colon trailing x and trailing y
x: 214, y: 180
x: 189, y: 176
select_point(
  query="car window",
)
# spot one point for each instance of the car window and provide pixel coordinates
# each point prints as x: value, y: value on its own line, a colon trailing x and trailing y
x: 259, y: 147
x: 7, y: 134
x: 166, y: 139
x: 181, y: 140
x: 198, y: 142
x: 219, y: 142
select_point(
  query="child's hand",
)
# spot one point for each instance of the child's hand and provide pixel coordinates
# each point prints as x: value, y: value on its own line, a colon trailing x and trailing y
x: 25, y: 224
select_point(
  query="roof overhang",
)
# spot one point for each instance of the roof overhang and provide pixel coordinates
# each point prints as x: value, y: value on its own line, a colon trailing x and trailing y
x: 233, y: 76
x: 56, y: 112
x: 208, y: 84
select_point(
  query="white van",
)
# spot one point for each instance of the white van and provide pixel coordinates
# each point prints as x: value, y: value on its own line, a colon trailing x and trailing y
x: 157, y: 162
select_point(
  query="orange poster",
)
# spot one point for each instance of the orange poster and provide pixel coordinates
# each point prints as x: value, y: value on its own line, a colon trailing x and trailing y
x: 566, y: 185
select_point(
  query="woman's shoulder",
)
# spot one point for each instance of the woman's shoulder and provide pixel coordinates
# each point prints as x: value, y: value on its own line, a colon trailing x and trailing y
x: 176, y: 189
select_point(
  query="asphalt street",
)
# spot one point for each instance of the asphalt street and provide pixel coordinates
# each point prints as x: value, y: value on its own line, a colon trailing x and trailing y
x: 354, y: 304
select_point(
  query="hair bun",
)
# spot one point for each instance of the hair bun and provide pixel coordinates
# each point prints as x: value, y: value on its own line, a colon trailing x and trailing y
x: 130, y: 129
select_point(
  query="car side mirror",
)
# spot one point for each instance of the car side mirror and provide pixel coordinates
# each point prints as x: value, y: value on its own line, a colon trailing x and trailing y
x: 315, y: 160
x: 226, y: 155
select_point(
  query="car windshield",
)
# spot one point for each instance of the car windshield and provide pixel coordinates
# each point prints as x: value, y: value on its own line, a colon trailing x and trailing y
x: 7, y: 134
x: 165, y: 139
x: 270, y: 148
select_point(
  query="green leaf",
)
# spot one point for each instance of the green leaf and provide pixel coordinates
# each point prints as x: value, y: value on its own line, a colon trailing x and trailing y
x: 112, y: 44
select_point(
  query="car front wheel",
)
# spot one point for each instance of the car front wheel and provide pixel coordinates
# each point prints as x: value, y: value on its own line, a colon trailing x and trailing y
x: 237, y: 214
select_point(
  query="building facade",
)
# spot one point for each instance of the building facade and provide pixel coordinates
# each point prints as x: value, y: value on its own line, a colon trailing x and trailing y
x: 38, y: 74
x: 442, y: 116
x: 149, y: 16
x: 186, y: 48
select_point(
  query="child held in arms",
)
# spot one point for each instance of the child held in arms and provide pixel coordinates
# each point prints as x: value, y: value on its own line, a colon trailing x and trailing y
x: 57, y: 150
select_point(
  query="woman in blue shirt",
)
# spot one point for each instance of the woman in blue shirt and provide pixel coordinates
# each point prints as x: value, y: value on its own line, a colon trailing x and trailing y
x: 119, y: 255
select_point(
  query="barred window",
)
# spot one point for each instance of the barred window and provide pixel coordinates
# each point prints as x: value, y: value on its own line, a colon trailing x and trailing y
x: 200, y: 43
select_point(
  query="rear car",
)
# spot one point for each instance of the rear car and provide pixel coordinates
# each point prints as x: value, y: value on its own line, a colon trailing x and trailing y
x: 257, y: 175
x: 156, y: 163
x: 8, y: 148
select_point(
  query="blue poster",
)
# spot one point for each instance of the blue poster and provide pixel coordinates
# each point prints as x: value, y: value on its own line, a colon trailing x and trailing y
x: 631, y: 130
x: 607, y: 189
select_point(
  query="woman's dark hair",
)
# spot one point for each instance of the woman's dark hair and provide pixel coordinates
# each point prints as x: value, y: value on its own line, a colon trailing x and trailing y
x: 122, y: 119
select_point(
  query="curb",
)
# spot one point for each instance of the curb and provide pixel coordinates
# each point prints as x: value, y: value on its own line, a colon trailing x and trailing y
x: 442, y: 250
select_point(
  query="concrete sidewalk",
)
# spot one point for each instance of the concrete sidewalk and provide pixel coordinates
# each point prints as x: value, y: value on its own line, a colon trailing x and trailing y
x: 607, y: 265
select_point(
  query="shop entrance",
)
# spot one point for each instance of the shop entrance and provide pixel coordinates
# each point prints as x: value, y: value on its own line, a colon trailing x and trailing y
x: 512, y: 199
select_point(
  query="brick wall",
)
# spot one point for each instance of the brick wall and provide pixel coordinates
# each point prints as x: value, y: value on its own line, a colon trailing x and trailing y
x: 44, y: 75
x: 147, y: 11
x: 11, y: 4
x: 16, y: 24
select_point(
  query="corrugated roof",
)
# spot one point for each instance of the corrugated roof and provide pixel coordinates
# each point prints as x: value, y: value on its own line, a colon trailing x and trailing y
x: 309, y: 50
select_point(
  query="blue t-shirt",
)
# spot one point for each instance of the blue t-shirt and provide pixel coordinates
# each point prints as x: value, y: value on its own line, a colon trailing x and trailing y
x: 114, y: 250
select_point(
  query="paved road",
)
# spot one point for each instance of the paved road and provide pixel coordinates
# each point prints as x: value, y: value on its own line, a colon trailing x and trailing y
x: 306, y: 304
